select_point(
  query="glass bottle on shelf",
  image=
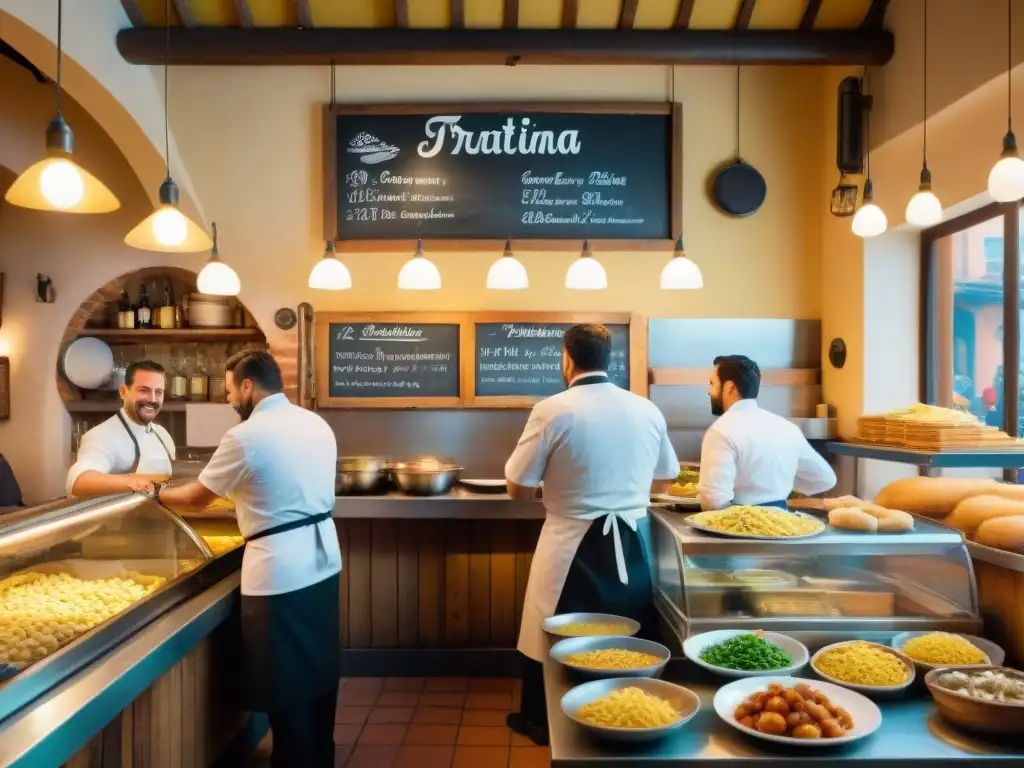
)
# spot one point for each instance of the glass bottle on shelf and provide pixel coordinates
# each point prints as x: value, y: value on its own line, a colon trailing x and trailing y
x: 218, y: 386
x: 125, y: 313
x: 199, y: 383
x: 144, y: 313
x: 167, y: 307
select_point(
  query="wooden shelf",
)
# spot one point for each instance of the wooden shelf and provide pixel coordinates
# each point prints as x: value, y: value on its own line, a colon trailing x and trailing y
x: 175, y: 336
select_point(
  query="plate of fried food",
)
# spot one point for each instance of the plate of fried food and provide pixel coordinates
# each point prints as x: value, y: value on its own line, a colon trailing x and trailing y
x: 746, y: 522
x: 797, y: 712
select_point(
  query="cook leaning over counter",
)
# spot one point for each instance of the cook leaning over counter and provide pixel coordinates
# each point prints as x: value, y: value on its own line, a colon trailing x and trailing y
x: 750, y: 456
x: 600, y: 451
x: 128, y: 452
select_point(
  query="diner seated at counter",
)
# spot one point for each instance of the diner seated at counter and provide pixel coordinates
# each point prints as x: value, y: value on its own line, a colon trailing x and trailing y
x: 750, y: 456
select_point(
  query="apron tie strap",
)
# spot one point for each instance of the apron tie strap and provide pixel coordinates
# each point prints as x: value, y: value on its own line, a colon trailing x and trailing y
x: 611, y: 523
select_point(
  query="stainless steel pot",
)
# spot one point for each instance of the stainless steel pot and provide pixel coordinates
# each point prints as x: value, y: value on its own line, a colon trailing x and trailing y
x: 361, y: 474
x: 425, y: 477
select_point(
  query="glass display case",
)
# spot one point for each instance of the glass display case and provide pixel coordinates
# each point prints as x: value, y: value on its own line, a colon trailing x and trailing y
x: 834, y: 585
x: 79, y: 576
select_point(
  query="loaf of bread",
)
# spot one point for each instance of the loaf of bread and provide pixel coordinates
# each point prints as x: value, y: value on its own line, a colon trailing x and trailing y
x: 933, y: 497
x: 895, y: 521
x: 852, y: 519
x: 971, y: 513
x: 842, y: 501
x: 1008, y: 491
x: 1002, y: 533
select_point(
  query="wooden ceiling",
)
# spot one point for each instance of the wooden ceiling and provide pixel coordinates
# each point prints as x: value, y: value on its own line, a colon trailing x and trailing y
x: 508, y: 31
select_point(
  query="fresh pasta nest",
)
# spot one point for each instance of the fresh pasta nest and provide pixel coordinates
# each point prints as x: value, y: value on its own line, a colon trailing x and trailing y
x: 629, y: 708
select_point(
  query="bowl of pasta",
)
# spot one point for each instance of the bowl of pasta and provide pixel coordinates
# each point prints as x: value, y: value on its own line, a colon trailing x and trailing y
x: 630, y: 709
x: 589, y: 625
x: 600, y: 657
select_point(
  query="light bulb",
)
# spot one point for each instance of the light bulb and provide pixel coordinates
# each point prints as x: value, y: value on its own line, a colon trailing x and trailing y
x: 419, y: 274
x: 218, y: 279
x: 924, y: 209
x: 1006, y: 180
x: 62, y: 184
x: 329, y: 274
x: 681, y: 274
x: 507, y: 274
x: 869, y: 221
x: 586, y: 274
x: 170, y: 227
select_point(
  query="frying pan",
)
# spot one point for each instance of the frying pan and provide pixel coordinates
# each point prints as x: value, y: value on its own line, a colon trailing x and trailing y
x: 738, y: 188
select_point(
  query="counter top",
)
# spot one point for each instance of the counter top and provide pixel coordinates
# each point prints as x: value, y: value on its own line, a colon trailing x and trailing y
x: 459, y: 503
x: 912, y: 732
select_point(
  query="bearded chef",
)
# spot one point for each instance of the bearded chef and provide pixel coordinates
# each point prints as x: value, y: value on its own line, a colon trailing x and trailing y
x: 129, y: 451
x: 750, y: 456
x: 600, y: 451
x: 278, y: 467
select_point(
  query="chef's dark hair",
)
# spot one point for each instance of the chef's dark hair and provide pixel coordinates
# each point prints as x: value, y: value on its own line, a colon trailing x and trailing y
x: 588, y: 346
x: 741, y: 371
x: 142, y: 365
x: 257, y: 366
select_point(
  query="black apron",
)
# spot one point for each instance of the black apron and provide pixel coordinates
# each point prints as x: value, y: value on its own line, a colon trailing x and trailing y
x: 138, y: 450
x: 290, y: 642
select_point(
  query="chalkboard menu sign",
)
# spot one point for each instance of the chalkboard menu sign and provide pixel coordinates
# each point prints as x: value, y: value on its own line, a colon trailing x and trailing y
x: 480, y: 172
x: 393, y: 360
x: 524, y: 359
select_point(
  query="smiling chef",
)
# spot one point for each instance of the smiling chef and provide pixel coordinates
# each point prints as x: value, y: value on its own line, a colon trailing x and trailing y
x: 127, y: 452
x: 600, y: 451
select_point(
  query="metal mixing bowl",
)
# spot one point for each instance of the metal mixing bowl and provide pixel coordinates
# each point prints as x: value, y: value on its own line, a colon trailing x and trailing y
x: 361, y: 474
x: 425, y: 477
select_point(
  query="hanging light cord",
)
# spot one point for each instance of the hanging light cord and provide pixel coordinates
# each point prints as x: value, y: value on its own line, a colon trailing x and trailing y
x: 167, y: 61
x: 737, y: 111
x: 924, y: 90
x: 682, y: 186
x: 867, y: 127
x: 60, y: 47
x: 1009, y: 66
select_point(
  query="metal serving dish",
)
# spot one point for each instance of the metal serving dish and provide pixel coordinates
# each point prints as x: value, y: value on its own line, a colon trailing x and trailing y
x: 563, y: 649
x: 361, y: 474
x: 425, y: 477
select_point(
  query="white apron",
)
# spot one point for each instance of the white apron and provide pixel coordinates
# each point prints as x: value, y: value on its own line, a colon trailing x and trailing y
x: 556, y: 548
x: 152, y: 459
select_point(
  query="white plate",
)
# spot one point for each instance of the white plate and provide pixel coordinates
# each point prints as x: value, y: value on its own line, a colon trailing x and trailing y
x: 88, y: 363
x: 683, y: 699
x: 696, y: 643
x: 690, y: 521
x: 552, y: 623
x: 867, y: 717
x: 686, y: 502
x: 483, y: 483
x: 996, y: 655
x: 867, y: 690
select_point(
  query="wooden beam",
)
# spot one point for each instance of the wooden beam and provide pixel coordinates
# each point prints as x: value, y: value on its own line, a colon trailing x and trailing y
x: 875, y: 17
x: 402, y: 13
x: 276, y: 46
x: 743, y: 15
x: 458, y: 14
x: 628, y: 14
x: 511, y: 14
x: 570, y: 10
x: 244, y: 13
x: 684, y: 13
x: 133, y: 12
x: 304, y: 13
x: 181, y: 7
x: 810, y: 15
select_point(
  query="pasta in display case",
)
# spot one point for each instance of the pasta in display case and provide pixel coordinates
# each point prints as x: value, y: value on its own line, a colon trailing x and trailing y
x: 831, y: 585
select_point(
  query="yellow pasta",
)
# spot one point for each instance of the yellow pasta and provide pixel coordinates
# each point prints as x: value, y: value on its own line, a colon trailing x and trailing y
x: 591, y: 628
x: 863, y: 664
x: 941, y: 648
x: 757, y: 521
x: 612, y: 658
x: 629, y: 708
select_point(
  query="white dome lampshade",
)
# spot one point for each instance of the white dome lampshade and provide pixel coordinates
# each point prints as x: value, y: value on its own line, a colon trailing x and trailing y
x: 681, y: 273
x: 924, y: 208
x: 330, y: 274
x: 1006, y: 179
x: 217, y: 278
x: 586, y: 273
x: 419, y: 272
x: 507, y: 273
x: 870, y: 220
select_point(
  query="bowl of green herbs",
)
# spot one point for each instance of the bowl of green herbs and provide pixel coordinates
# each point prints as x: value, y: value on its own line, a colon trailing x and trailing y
x: 746, y: 653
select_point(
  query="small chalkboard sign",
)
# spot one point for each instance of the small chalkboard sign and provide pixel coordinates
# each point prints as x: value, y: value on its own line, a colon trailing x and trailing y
x: 393, y: 360
x: 524, y: 359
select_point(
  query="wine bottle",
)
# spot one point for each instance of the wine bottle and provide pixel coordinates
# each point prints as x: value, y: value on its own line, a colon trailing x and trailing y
x: 144, y: 313
x: 125, y: 313
x: 166, y: 316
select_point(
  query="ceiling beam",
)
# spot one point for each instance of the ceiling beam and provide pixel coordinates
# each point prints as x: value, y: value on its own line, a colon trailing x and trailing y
x: 683, y: 14
x: 276, y: 46
x: 743, y: 15
x: 244, y: 13
x: 304, y: 13
x: 511, y: 14
x: 134, y: 13
x: 458, y: 14
x: 628, y: 14
x: 570, y: 10
x: 875, y: 17
x: 181, y: 7
x: 810, y: 15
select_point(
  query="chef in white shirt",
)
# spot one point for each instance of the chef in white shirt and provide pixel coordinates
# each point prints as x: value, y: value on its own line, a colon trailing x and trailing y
x: 129, y: 451
x: 600, y: 451
x: 278, y: 467
x: 750, y: 456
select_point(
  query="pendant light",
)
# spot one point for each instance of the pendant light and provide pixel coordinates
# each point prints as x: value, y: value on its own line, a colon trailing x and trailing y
x: 217, y: 278
x: 681, y: 274
x: 924, y: 208
x: 57, y: 182
x: 507, y: 273
x: 1006, y: 179
x: 419, y: 272
x: 586, y: 273
x: 870, y: 220
x: 167, y: 229
x: 330, y: 274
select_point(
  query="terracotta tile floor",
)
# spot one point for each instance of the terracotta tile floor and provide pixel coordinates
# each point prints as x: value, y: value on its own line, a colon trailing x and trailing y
x: 408, y: 722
